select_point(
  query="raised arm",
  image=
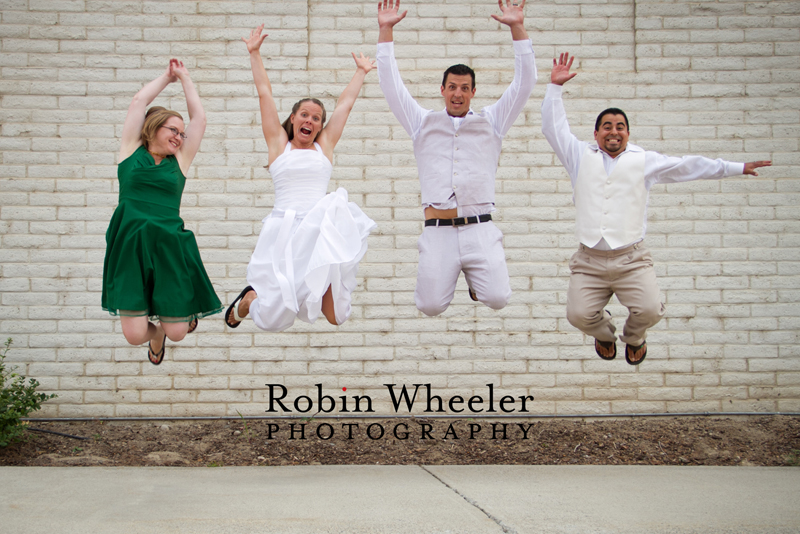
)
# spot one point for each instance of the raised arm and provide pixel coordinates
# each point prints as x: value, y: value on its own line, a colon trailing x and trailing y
x: 274, y: 134
x: 134, y: 120
x: 560, y: 73
x: 402, y: 104
x: 555, y: 127
x: 505, y: 111
x: 197, y: 117
x: 388, y: 15
x: 513, y: 16
x: 332, y: 132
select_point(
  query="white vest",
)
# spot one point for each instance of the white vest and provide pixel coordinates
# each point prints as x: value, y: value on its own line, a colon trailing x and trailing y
x: 462, y: 161
x: 610, y: 207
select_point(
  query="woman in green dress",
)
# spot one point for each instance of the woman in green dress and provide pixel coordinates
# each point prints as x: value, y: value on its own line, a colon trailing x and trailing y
x: 152, y: 269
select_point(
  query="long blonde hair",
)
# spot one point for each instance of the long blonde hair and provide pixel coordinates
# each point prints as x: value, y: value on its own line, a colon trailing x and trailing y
x: 287, y: 124
x: 155, y: 119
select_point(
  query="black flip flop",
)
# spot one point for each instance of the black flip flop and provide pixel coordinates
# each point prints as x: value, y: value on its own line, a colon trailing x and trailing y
x: 629, y: 349
x: 605, y: 344
x: 236, y: 303
x: 472, y: 294
x: 193, y: 325
x: 158, y: 357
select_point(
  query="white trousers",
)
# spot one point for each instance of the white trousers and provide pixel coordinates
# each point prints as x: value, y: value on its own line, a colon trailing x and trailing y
x: 476, y: 249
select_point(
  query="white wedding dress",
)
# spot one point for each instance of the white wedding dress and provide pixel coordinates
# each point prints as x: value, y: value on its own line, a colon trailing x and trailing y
x: 309, y: 242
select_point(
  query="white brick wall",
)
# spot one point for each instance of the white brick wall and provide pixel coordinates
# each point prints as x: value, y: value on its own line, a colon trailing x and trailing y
x: 714, y: 78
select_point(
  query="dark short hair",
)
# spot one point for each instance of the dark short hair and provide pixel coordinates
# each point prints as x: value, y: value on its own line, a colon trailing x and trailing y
x: 611, y: 111
x: 459, y: 70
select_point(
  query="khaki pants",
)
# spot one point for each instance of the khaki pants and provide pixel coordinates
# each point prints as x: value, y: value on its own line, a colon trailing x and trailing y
x: 598, y: 274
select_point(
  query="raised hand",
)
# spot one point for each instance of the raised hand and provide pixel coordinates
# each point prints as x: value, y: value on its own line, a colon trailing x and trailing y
x: 513, y: 12
x: 750, y: 168
x: 389, y: 13
x: 254, y: 41
x: 178, y: 70
x: 363, y: 62
x: 560, y: 73
x: 169, y: 74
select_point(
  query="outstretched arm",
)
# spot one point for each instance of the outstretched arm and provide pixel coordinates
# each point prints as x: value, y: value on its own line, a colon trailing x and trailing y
x: 332, y: 132
x: 134, y: 120
x: 514, y: 17
x: 388, y: 15
x: 274, y: 134
x: 659, y: 168
x: 197, y: 117
x: 750, y: 168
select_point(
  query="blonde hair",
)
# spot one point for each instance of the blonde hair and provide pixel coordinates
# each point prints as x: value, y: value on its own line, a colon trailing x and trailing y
x: 287, y: 124
x: 155, y: 119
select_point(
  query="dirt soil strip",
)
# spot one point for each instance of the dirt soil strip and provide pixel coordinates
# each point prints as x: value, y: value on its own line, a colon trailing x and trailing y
x: 759, y: 440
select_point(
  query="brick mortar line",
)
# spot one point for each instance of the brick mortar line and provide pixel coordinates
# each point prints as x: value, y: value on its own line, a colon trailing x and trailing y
x: 633, y: 28
x: 308, y: 32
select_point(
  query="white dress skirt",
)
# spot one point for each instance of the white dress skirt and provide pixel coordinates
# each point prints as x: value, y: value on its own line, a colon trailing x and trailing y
x: 310, y: 241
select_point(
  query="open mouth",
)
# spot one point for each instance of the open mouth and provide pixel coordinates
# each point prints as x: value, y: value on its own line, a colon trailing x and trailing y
x: 305, y: 131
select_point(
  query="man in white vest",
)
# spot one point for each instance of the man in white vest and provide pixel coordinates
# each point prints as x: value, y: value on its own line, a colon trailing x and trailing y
x: 611, y: 180
x: 457, y: 151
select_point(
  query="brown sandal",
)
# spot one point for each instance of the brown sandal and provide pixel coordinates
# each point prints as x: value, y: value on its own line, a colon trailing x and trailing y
x: 631, y: 350
x: 607, y: 345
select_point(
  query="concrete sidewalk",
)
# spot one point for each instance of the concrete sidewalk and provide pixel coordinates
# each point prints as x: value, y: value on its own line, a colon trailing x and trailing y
x: 399, y: 499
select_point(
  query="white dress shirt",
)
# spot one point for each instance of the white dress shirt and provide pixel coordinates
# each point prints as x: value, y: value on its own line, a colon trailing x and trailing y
x: 658, y: 168
x: 501, y: 114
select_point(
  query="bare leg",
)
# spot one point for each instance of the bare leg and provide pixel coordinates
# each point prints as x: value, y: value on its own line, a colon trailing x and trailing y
x: 327, y: 307
x: 174, y: 331
x: 138, y: 330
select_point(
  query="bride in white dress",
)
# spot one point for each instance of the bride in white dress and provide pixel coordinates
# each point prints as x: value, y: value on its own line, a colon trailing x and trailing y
x: 306, y: 258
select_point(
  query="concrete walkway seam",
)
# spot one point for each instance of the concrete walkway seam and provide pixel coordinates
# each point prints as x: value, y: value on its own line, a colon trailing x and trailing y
x: 506, y: 528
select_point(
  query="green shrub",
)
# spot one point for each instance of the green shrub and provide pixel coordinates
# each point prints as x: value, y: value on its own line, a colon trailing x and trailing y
x: 18, y: 398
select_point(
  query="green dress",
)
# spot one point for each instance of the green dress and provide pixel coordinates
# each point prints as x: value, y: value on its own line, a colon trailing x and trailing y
x: 152, y: 265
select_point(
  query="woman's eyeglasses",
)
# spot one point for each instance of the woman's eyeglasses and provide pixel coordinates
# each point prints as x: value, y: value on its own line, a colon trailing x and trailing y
x: 176, y: 132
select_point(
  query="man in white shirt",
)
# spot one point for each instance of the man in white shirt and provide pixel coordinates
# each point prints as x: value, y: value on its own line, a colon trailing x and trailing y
x: 457, y: 151
x: 611, y: 181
